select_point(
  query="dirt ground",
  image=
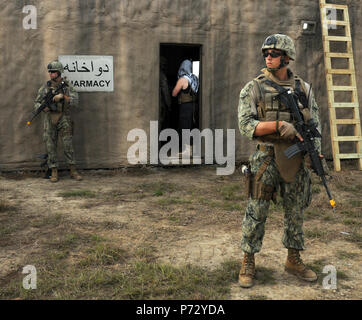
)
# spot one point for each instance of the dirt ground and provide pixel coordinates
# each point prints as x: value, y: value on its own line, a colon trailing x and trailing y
x: 187, y: 215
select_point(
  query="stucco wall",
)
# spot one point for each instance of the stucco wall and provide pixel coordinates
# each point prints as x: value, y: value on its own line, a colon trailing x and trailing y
x: 230, y: 32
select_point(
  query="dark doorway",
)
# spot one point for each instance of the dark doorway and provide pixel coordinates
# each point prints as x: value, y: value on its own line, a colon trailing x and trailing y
x: 172, y: 55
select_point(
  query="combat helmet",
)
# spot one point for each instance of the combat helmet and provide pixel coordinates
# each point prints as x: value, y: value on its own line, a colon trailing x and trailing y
x: 281, y: 42
x: 55, y: 66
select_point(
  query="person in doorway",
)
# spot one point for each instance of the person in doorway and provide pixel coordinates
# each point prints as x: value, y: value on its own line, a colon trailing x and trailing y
x: 186, y: 89
x: 57, y: 120
x: 262, y: 116
x: 165, y: 95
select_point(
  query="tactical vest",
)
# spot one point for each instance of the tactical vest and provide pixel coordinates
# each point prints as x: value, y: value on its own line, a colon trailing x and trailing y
x: 62, y: 107
x: 186, y: 95
x: 270, y: 108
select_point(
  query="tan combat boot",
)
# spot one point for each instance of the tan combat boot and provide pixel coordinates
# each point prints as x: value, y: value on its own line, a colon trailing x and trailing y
x: 54, y: 176
x: 74, y: 174
x: 295, y: 265
x: 247, y: 271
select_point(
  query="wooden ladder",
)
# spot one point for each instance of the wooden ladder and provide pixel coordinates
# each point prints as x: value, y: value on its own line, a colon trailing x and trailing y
x: 352, y: 105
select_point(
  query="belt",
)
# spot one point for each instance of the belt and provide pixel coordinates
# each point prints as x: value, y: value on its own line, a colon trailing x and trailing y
x: 267, y: 148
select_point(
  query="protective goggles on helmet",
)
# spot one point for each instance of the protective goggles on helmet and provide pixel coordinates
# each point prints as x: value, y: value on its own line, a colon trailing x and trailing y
x: 273, y: 54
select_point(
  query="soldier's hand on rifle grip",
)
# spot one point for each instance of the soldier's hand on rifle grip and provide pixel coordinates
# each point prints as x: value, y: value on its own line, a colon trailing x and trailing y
x: 46, y: 109
x: 58, y: 97
x: 287, y: 131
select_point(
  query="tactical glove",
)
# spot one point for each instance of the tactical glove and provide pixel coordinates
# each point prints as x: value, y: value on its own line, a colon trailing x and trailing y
x: 58, y: 97
x: 287, y: 131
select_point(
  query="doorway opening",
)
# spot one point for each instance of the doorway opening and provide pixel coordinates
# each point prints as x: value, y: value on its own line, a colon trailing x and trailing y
x: 171, y: 57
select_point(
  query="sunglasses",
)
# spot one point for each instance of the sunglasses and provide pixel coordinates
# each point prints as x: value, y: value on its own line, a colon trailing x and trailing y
x: 273, y: 54
x: 52, y: 71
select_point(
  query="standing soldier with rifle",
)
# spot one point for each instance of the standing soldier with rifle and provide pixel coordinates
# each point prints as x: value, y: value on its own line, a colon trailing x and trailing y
x: 264, y: 116
x: 55, y: 99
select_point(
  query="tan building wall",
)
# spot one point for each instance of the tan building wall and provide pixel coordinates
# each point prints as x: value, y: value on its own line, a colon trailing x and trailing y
x: 230, y: 34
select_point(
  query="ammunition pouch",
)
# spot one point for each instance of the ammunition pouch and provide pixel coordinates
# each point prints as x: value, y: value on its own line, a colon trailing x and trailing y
x: 254, y: 187
x: 54, y: 117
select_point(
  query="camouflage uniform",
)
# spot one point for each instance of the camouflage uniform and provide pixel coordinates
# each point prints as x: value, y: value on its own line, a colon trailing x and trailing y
x: 295, y: 190
x: 58, y: 123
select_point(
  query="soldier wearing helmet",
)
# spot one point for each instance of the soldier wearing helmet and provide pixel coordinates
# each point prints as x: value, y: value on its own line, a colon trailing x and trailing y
x: 57, y: 120
x: 264, y: 118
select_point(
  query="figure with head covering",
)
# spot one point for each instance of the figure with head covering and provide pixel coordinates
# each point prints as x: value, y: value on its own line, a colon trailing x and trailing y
x: 186, y: 89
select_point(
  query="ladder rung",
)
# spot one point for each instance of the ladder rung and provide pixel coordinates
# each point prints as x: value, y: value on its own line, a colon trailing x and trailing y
x: 337, y: 38
x: 344, y: 105
x: 340, y: 71
x: 349, y: 155
x: 338, y: 55
x: 347, y: 138
x: 347, y: 121
x: 333, y: 6
x: 342, y: 88
x: 337, y: 22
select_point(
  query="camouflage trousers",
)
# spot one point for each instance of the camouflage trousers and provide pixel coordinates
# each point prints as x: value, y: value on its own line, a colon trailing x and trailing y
x: 64, y: 128
x: 296, y: 196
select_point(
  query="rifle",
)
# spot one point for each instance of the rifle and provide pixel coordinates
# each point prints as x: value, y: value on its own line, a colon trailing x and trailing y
x: 48, y: 101
x: 308, y: 132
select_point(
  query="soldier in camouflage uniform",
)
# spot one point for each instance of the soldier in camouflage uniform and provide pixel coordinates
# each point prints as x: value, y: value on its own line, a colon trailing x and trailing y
x: 263, y: 117
x: 57, y: 120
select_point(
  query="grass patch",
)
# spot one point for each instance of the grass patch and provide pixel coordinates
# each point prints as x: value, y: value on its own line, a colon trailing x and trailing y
x: 257, y: 297
x: 318, y: 266
x: 53, y: 220
x: 349, y: 187
x: 102, y: 255
x: 315, y: 233
x: 77, y: 194
x: 345, y: 255
x: 157, y: 188
x: 351, y: 214
x: 265, y: 276
x: 6, y: 207
x: 164, y: 202
x: 355, y: 238
x: 138, y: 279
x: 314, y: 214
x: 234, y: 192
x: 316, y: 189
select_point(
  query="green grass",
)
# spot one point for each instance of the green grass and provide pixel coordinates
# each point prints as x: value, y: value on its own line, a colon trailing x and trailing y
x: 157, y: 188
x: 165, y: 202
x: 345, y: 255
x: 316, y: 189
x: 265, y: 276
x: 318, y: 266
x: 94, y: 277
x: 5, y: 207
x: 321, y: 235
x: 257, y: 297
x: 234, y: 192
x: 77, y: 194
x: 356, y: 238
x: 52, y: 220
